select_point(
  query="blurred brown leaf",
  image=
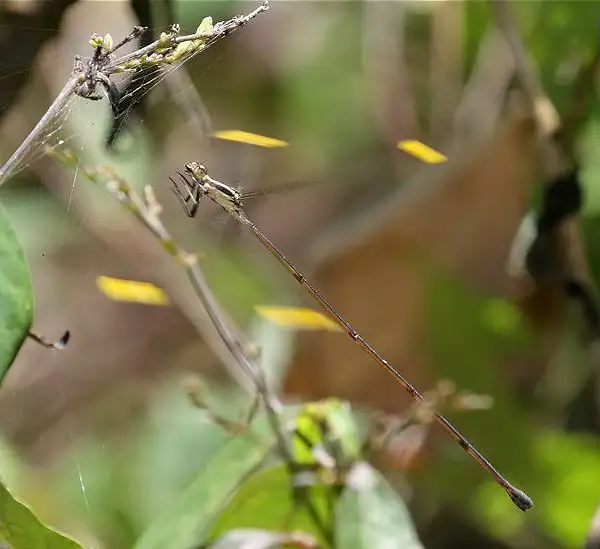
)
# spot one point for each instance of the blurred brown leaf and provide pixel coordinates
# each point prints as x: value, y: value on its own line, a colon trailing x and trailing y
x: 461, y: 217
x: 49, y: 395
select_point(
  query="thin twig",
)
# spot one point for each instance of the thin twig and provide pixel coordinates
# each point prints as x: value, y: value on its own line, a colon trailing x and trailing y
x: 482, y: 99
x: 96, y: 70
x: 546, y: 116
x: 147, y: 211
x: 446, y: 67
x: 221, y: 29
x: 583, y: 93
x: 58, y: 104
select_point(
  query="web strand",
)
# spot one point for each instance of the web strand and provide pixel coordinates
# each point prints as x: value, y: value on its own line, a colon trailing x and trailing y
x: 91, y: 79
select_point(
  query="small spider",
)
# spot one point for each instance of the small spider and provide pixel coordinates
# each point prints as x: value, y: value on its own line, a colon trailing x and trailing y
x: 92, y: 70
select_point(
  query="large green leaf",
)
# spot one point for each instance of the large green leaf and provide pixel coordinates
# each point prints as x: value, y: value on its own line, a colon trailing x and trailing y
x: 370, y: 513
x: 265, y: 501
x: 23, y: 530
x: 187, y: 521
x: 16, y: 297
x: 328, y: 424
x: 179, y: 430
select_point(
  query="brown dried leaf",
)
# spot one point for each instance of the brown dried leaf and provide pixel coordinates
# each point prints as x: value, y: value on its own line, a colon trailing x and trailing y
x: 461, y: 216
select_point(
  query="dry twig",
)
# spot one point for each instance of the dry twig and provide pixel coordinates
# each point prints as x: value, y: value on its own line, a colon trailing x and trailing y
x: 95, y: 71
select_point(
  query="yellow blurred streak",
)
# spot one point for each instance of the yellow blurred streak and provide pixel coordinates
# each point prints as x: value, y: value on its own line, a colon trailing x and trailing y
x: 119, y: 289
x: 422, y: 152
x: 297, y: 317
x: 250, y: 138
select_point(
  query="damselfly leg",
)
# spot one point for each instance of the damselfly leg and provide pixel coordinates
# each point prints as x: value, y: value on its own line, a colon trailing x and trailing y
x: 188, y: 193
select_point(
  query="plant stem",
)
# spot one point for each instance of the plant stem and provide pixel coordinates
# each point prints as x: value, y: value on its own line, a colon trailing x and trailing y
x: 61, y: 100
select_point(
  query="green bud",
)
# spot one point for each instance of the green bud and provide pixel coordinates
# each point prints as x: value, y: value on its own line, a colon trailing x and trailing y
x: 107, y: 43
x: 205, y: 26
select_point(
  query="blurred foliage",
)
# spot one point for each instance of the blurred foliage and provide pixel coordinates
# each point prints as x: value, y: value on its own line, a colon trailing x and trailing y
x: 371, y: 514
x: 266, y: 501
x: 187, y: 521
x: 559, y: 35
x: 19, y: 526
x: 16, y: 296
x: 177, y: 478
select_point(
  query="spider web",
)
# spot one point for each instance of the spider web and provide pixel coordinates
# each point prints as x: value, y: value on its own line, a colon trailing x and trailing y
x: 62, y: 127
x: 140, y: 84
x: 55, y: 133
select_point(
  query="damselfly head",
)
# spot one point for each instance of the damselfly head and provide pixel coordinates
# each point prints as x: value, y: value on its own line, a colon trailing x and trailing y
x: 196, y: 170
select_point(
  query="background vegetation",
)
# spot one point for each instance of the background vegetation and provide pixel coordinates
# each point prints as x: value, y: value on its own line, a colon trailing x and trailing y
x: 101, y: 439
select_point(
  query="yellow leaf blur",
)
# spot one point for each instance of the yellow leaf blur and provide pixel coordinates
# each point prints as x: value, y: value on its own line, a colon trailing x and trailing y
x: 297, y: 317
x: 250, y: 138
x: 422, y: 152
x: 119, y: 289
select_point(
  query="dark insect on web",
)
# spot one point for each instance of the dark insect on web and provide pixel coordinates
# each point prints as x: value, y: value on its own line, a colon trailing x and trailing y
x: 129, y: 99
x: 93, y: 70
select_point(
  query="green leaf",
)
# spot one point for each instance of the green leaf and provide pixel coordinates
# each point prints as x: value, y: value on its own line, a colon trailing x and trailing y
x: 178, y: 430
x: 265, y: 501
x: 325, y: 423
x: 371, y: 514
x: 205, y: 26
x: 343, y: 427
x: 186, y: 522
x: 23, y: 530
x: 16, y: 296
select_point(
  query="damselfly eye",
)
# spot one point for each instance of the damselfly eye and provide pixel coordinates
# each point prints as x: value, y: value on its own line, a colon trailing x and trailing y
x: 197, y: 170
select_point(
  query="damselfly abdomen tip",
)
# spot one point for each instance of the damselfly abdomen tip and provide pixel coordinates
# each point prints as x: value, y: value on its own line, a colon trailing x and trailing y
x: 520, y: 498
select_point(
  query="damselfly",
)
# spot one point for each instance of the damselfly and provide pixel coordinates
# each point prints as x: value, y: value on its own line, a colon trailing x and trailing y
x: 198, y: 184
